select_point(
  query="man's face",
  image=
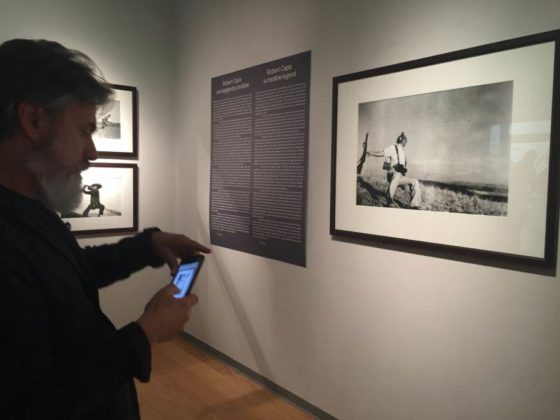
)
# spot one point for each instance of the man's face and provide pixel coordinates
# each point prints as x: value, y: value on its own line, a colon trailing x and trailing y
x: 66, y: 150
x: 403, y: 142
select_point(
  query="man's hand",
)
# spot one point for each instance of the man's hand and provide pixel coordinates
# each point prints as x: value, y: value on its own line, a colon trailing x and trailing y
x: 171, y: 247
x: 165, y: 315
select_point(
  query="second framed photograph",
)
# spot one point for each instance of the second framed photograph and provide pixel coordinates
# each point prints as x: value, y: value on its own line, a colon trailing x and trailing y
x: 117, y: 125
x: 455, y: 153
x: 109, y: 200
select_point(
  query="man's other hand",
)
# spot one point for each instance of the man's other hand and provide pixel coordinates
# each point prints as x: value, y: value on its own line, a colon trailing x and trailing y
x: 171, y: 248
x: 165, y: 315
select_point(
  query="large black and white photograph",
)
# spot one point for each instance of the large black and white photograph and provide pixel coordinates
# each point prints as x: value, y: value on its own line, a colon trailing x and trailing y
x: 440, y: 151
x: 455, y: 154
x: 108, y: 200
x: 116, y: 134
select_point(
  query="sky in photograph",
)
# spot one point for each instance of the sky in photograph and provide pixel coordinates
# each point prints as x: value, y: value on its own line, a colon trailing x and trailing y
x: 459, y: 135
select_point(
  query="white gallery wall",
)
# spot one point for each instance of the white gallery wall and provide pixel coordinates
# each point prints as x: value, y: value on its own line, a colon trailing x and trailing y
x: 132, y: 42
x: 362, y: 332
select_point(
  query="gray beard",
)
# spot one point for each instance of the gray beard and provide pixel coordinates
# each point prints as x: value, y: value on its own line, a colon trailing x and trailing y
x: 61, y: 192
x: 61, y: 189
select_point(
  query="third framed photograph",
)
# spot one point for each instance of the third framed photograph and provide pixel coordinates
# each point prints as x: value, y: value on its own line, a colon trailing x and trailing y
x: 117, y: 125
x: 109, y: 200
x: 455, y: 153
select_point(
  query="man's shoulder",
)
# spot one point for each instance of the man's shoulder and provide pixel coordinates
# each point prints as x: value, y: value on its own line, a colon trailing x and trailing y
x: 17, y: 232
x: 9, y: 222
x: 15, y: 238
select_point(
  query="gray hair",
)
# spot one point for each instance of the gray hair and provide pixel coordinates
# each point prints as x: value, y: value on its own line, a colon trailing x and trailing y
x: 49, y: 74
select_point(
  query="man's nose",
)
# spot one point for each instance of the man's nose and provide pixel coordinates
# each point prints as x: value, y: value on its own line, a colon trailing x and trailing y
x: 91, y: 151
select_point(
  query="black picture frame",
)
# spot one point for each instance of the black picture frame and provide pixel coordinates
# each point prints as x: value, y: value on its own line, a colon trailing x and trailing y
x: 436, y: 232
x: 118, y: 139
x: 115, y: 214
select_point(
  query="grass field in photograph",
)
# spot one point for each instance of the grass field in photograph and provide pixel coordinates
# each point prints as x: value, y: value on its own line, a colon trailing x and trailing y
x: 436, y: 196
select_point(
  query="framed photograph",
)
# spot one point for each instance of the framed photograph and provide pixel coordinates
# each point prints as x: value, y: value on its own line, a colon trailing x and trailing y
x: 109, y: 200
x: 455, y: 153
x: 117, y: 125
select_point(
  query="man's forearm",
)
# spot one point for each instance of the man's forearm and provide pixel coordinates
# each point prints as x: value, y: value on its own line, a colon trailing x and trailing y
x: 117, y: 261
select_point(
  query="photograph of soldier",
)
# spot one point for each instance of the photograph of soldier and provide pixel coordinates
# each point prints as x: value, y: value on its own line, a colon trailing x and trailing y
x: 454, y: 157
x: 94, y: 201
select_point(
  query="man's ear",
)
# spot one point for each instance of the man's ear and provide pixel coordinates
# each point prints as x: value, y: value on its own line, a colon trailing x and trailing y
x: 33, y: 120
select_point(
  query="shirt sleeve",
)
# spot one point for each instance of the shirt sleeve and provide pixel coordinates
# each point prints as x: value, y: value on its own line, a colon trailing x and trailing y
x: 113, y: 262
x: 390, y: 154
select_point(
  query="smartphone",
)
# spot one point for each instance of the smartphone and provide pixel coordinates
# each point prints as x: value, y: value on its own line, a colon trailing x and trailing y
x: 186, y: 275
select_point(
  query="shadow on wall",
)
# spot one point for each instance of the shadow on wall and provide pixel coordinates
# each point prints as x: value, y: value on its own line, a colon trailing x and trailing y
x: 241, y: 315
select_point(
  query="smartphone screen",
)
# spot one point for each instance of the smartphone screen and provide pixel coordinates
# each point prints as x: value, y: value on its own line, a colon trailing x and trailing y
x: 185, y: 276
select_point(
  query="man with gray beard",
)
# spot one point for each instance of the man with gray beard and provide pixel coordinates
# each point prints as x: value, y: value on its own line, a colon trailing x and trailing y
x: 60, y: 355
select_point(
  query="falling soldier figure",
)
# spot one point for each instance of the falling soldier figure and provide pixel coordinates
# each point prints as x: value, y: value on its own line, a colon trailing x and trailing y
x: 105, y: 121
x: 395, y: 165
x: 94, y: 203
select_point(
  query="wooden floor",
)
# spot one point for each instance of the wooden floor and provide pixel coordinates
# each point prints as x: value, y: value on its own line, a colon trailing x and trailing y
x: 188, y: 383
